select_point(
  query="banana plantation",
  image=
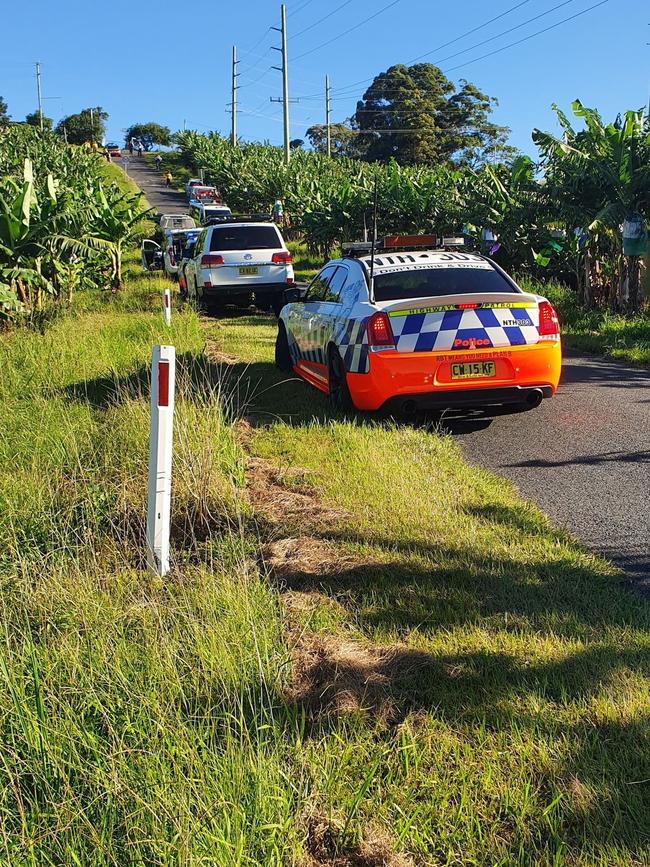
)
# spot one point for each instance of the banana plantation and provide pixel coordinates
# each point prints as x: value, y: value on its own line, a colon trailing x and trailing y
x: 578, y: 213
x: 62, y: 225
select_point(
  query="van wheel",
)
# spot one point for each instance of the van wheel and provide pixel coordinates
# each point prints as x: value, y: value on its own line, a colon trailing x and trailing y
x: 339, y: 392
x: 282, y: 354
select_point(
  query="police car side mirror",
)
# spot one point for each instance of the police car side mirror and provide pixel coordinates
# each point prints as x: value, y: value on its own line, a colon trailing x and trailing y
x: 294, y: 295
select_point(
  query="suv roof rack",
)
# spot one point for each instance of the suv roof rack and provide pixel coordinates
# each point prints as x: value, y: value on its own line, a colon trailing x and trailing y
x: 239, y: 218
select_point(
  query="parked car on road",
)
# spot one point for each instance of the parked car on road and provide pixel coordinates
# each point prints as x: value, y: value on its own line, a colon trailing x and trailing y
x: 176, y: 221
x: 177, y: 245
x: 241, y: 260
x: 204, y: 212
x: 193, y: 182
x: 428, y: 329
x: 114, y: 150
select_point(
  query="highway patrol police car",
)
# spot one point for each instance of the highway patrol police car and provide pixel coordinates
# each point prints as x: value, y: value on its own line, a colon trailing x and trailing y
x: 420, y: 328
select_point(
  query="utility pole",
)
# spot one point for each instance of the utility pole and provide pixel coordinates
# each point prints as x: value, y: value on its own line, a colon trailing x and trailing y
x: 233, y: 103
x: 38, y: 93
x: 285, y: 80
x: 92, y: 125
x: 327, y: 116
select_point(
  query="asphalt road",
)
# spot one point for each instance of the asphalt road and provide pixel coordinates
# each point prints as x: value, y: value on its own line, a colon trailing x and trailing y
x: 151, y: 182
x: 583, y: 456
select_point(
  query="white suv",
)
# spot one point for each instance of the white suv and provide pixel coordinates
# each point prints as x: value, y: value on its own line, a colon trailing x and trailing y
x: 238, y: 261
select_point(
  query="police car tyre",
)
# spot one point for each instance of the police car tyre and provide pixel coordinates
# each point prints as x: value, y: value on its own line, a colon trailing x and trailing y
x: 338, y: 385
x: 282, y: 354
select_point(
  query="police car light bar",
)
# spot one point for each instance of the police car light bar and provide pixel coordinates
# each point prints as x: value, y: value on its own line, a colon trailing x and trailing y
x: 392, y: 241
x: 453, y: 242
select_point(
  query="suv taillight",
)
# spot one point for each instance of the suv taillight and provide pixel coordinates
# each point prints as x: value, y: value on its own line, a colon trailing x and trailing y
x: 549, y: 324
x: 211, y: 260
x: 283, y: 258
x: 379, y: 331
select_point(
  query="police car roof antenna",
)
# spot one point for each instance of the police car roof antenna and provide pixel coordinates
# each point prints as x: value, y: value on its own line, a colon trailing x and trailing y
x: 373, y: 246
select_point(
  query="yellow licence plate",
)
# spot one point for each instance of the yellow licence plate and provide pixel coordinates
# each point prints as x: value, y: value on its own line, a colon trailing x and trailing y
x: 248, y: 269
x: 473, y: 370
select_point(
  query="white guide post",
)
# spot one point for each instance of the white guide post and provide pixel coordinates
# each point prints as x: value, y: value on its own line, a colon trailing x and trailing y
x: 163, y: 370
x: 167, y: 306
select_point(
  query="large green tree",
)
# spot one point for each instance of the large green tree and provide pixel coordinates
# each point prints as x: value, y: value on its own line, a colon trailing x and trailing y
x: 88, y: 125
x: 4, y: 112
x: 149, y: 134
x: 34, y: 119
x: 416, y: 115
x: 344, y: 139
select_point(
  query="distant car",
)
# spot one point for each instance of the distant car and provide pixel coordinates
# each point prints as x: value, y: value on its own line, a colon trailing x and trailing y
x: 193, y: 182
x: 205, y: 194
x: 176, y: 221
x: 114, y: 150
x: 177, y: 245
x: 429, y: 329
x: 203, y: 212
x: 239, y: 261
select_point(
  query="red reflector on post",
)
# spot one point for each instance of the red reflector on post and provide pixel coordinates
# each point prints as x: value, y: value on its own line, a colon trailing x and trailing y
x: 163, y: 383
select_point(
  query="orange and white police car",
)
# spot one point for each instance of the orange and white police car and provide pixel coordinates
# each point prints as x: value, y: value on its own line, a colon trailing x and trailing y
x: 411, y: 327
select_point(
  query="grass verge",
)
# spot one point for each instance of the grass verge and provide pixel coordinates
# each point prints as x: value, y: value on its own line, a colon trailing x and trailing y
x: 626, y: 338
x: 367, y: 653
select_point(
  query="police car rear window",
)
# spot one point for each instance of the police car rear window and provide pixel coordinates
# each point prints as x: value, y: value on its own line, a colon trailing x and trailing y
x: 430, y: 282
x: 244, y: 238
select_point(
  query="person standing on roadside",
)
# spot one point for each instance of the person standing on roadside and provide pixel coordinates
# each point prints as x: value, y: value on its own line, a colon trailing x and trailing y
x: 140, y: 149
x: 168, y: 179
x: 158, y: 161
x: 278, y: 212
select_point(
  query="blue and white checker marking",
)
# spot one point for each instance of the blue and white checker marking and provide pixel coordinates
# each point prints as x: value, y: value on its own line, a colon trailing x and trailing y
x: 439, y: 330
x: 352, y: 341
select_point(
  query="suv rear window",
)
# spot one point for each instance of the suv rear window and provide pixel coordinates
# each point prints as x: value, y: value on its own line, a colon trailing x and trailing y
x: 244, y: 238
x: 426, y: 282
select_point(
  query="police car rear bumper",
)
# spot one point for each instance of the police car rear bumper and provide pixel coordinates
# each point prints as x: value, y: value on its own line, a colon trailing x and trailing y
x: 523, y: 396
x: 427, y: 378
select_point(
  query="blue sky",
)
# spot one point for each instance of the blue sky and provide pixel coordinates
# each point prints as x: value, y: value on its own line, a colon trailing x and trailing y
x: 171, y: 62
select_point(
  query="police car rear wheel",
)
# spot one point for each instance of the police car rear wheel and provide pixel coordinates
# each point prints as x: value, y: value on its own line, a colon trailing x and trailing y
x: 338, y: 385
x: 282, y: 354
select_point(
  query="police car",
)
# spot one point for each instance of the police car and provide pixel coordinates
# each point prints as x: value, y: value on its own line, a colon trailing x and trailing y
x: 413, y: 326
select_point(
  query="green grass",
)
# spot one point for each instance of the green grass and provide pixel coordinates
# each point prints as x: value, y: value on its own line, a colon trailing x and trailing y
x: 146, y: 722
x: 523, y: 735
x: 598, y: 331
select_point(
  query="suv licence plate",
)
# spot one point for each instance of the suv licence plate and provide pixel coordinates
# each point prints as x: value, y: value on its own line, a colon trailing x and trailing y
x: 473, y: 370
x: 247, y: 270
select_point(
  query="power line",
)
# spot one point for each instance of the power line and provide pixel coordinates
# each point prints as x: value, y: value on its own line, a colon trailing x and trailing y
x: 348, y: 30
x: 444, y: 44
x: 526, y: 38
x: 300, y: 8
x: 324, y: 18
x: 485, y: 41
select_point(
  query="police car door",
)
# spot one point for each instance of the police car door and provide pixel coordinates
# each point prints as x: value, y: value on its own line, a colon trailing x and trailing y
x: 329, y: 311
x: 308, y: 329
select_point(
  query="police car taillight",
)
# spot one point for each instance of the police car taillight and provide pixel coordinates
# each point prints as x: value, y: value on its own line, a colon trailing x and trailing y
x: 379, y: 331
x: 549, y: 324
